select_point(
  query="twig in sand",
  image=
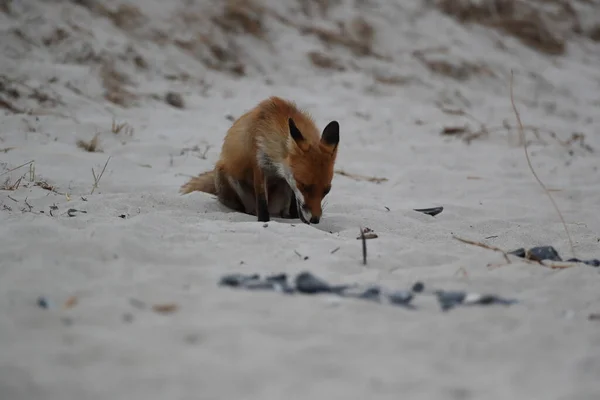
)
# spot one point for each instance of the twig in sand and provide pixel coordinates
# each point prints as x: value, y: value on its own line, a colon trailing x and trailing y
x: 16, y: 168
x: 29, y: 206
x: 522, y: 136
x: 358, y: 177
x: 364, y: 245
x: 301, y: 256
x: 97, y: 178
x: 485, y: 246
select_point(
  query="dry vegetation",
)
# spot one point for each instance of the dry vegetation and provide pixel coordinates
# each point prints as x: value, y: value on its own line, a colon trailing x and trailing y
x: 323, y: 61
x: 461, y: 71
x: 125, y: 16
x: 540, y: 24
x: 91, y: 146
x: 242, y: 17
x: 114, y: 83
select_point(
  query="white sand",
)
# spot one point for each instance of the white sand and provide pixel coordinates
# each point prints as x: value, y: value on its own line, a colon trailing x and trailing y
x: 227, y: 344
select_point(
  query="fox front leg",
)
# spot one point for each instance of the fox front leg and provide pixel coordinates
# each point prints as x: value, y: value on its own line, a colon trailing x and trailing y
x: 301, y: 211
x: 260, y: 190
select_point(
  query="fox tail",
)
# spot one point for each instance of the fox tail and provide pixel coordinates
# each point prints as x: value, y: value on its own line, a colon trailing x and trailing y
x: 205, y: 182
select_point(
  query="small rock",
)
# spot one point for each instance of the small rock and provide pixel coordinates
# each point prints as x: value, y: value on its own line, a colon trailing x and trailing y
x: 418, y: 287
x: 430, y: 211
x: 42, y: 302
x: 174, y: 99
x: 165, y: 308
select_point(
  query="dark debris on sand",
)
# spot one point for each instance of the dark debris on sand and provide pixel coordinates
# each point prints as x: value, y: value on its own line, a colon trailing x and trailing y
x: 309, y: 284
x: 542, y: 253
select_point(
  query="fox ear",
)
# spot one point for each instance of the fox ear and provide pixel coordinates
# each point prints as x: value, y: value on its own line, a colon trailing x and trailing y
x: 295, y: 132
x: 331, y: 134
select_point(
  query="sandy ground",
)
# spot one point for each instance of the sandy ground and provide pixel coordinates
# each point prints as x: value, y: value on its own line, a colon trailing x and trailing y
x: 135, y: 242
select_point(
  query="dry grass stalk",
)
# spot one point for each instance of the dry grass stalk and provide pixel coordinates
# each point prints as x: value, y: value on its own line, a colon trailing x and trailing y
x: 16, y: 168
x: 123, y: 127
x: 485, y: 246
x: 8, y: 185
x: 522, y: 136
x: 91, y: 146
x: 358, y: 177
x: 98, y: 177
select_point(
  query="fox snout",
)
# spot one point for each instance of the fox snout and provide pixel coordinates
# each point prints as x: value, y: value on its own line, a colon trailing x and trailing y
x: 308, y: 215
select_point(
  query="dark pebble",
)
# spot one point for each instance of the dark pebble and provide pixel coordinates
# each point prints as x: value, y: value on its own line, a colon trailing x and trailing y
x: 42, y: 302
x: 418, y: 287
x: 518, y: 252
x: 592, y: 263
x: 371, y: 293
x: 308, y: 283
x: 237, y: 279
x: 174, y: 99
x: 448, y: 300
x: 543, y: 253
x: 430, y: 211
x: 400, y: 297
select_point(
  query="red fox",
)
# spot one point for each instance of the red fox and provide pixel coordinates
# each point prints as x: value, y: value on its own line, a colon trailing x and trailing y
x: 274, y: 163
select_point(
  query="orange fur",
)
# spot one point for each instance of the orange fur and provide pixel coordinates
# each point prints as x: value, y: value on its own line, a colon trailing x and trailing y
x: 273, y: 152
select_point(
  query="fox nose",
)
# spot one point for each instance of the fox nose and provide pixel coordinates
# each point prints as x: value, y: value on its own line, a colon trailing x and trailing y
x: 315, y: 220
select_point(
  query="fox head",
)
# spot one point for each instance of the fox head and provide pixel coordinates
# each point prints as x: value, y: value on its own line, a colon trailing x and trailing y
x: 312, y: 168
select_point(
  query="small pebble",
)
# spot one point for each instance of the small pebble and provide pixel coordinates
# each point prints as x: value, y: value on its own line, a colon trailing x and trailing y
x: 42, y: 302
x: 430, y: 211
x: 174, y: 99
x: 418, y: 287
